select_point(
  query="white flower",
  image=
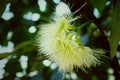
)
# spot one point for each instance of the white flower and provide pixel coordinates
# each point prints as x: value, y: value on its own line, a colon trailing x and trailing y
x: 59, y: 41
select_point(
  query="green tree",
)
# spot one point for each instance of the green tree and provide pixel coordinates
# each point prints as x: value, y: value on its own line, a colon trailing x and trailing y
x: 19, y: 56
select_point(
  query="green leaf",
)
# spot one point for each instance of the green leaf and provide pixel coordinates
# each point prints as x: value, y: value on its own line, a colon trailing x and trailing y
x: 4, y: 55
x: 115, y: 30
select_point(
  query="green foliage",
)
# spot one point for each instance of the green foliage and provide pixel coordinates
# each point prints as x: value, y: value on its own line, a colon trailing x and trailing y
x: 115, y: 30
x: 24, y: 43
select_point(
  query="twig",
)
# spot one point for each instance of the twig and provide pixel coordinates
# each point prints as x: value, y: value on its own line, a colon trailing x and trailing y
x: 114, y: 62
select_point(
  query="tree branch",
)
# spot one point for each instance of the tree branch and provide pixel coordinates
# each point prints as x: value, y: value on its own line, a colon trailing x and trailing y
x: 87, y: 15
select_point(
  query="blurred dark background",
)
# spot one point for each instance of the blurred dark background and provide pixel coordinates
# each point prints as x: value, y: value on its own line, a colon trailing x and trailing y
x: 19, y: 59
